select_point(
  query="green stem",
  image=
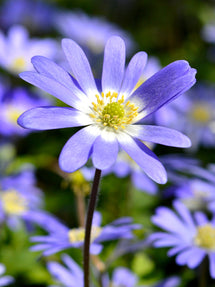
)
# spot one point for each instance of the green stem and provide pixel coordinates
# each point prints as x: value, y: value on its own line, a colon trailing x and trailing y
x: 91, y: 208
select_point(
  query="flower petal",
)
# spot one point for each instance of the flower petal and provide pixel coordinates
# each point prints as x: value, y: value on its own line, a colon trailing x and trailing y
x: 54, y: 88
x: 159, y: 135
x: 77, y: 150
x: 80, y: 67
x: 49, y: 69
x: 144, y: 157
x: 133, y: 73
x: 113, y: 65
x: 53, y: 118
x: 192, y: 257
x: 105, y: 150
x: 164, y: 86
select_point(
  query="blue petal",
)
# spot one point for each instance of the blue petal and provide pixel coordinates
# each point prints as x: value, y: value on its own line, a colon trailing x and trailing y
x: 77, y: 150
x: 113, y: 65
x: 133, y: 73
x: 48, y: 118
x: 80, y: 67
x: 105, y: 150
x: 159, y: 135
x: 144, y: 157
x: 164, y: 86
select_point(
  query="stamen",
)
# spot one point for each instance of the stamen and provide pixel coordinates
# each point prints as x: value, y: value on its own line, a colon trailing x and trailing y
x: 205, y: 237
x: 113, y: 112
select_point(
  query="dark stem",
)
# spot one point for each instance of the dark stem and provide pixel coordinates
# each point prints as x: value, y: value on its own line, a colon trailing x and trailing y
x: 91, y: 208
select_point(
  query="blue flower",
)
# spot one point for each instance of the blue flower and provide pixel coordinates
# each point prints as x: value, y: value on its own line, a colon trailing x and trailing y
x: 61, y: 237
x: 19, y: 197
x: 4, y: 280
x: 191, y: 240
x: 13, y: 102
x: 108, y: 118
x: 16, y: 49
x: 192, y: 114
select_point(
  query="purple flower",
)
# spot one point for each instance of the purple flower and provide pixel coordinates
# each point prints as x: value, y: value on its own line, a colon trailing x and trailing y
x: 13, y: 102
x: 109, y: 117
x: 197, y: 194
x: 61, y: 237
x: 18, y: 198
x: 192, y: 114
x: 16, y: 49
x: 89, y: 32
x: 191, y: 239
x: 4, y: 280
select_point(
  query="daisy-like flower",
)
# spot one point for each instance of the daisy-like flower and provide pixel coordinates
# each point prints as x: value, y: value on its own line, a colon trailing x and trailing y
x: 16, y: 49
x: 5, y: 280
x: 18, y: 198
x: 109, y: 116
x: 191, y: 238
x: 13, y: 102
x: 193, y: 114
x: 121, y: 277
x: 61, y: 237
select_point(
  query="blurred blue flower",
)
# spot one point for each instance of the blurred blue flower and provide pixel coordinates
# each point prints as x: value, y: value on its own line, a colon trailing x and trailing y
x: 18, y: 198
x: 89, y: 32
x: 190, y: 240
x: 109, y: 118
x: 17, y: 49
x: 197, y: 194
x: 5, y: 280
x: 13, y: 102
x: 61, y: 237
x: 192, y: 114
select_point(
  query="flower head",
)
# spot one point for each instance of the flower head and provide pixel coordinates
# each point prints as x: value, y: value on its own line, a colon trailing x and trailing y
x: 61, y: 237
x: 12, y: 104
x: 109, y: 116
x: 16, y: 49
x: 18, y: 198
x: 190, y: 239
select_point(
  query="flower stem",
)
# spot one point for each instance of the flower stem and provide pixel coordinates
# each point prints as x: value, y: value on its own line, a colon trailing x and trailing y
x: 91, y: 208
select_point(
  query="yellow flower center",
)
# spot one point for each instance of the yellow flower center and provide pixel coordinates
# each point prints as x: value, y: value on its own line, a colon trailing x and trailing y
x: 113, y: 112
x: 12, y: 114
x: 205, y: 237
x: 201, y: 114
x: 13, y: 202
x: 18, y: 64
x: 78, y: 234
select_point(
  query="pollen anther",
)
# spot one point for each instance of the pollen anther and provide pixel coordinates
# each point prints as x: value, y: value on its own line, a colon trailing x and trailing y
x: 113, y: 112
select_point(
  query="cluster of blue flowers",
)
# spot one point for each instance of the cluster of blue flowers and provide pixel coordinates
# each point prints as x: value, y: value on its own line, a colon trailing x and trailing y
x: 116, y: 116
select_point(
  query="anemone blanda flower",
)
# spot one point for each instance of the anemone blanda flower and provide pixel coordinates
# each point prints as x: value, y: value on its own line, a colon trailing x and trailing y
x: 13, y: 102
x: 19, y: 196
x: 190, y: 238
x: 61, y: 237
x: 5, y: 280
x: 108, y: 116
x: 17, y: 48
x: 192, y: 114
